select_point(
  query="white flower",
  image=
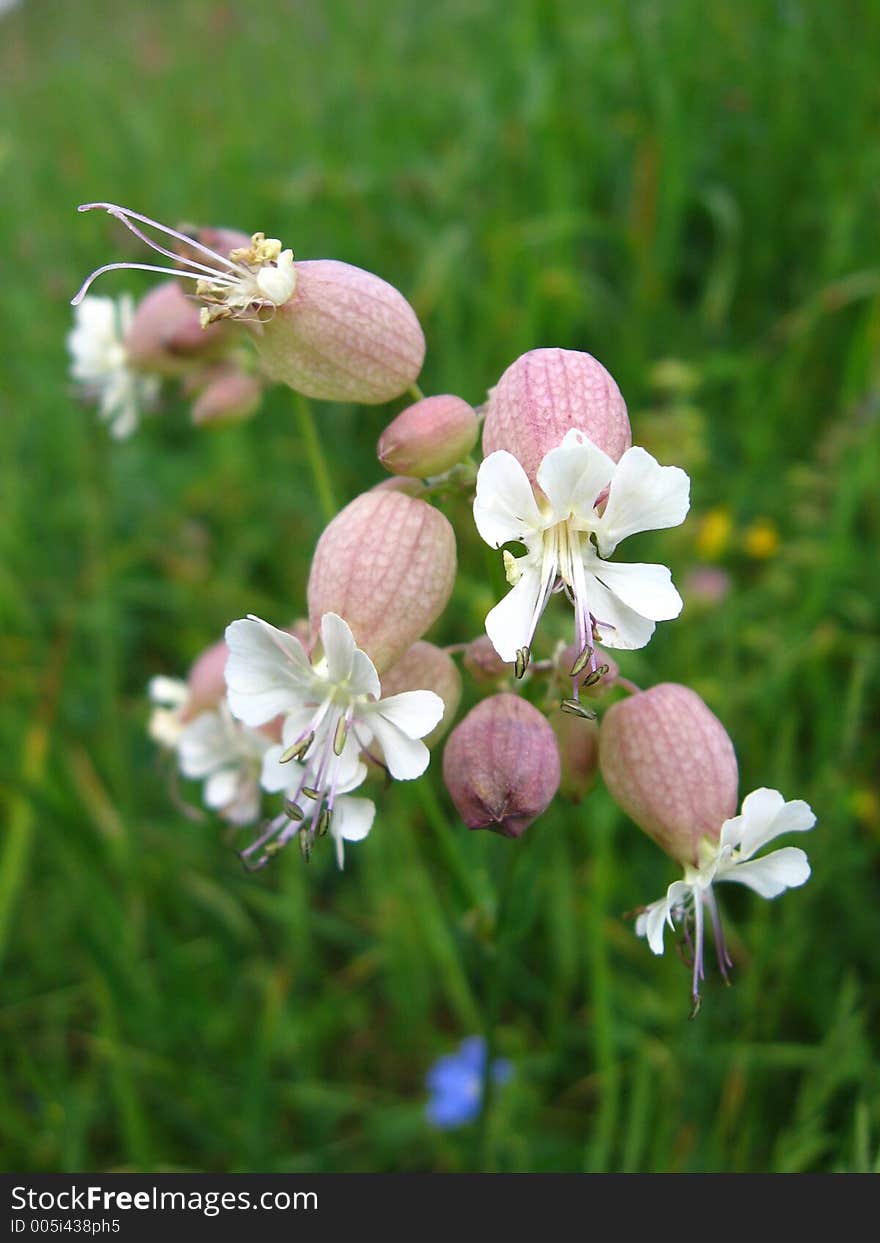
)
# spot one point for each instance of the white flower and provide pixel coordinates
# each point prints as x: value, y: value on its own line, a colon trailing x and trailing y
x: 332, y: 711
x: 765, y: 815
x: 211, y: 746
x: 252, y: 277
x: 589, y: 504
x: 99, y: 362
x: 229, y: 757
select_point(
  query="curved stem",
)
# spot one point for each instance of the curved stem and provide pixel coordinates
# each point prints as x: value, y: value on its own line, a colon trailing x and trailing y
x: 315, y: 455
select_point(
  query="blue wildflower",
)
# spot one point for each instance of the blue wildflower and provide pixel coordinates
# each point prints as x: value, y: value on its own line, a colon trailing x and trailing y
x: 455, y: 1083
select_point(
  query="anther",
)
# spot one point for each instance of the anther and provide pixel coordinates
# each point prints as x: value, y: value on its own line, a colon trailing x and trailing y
x: 581, y: 663
x: 523, y: 656
x: 297, y: 749
x: 305, y: 845
x: 596, y: 676
x: 293, y: 811
x: 340, y: 736
x: 577, y: 709
x: 324, y: 822
x: 311, y: 792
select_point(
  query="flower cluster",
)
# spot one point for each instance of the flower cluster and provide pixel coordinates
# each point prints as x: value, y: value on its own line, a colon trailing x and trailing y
x: 308, y: 715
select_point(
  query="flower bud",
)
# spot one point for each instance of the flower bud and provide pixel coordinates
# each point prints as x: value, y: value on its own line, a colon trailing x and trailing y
x: 578, y: 742
x: 206, y: 680
x: 428, y: 438
x: 166, y: 335
x: 546, y: 393
x: 501, y: 765
x: 483, y: 663
x: 669, y: 763
x: 426, y: 667
x: 229, y: 397
x: 386, y: 564
x: 343, y: 335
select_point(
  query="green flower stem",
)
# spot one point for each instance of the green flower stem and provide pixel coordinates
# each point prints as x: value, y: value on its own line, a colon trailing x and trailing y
x: 315, y: 455
x: 497, y: 961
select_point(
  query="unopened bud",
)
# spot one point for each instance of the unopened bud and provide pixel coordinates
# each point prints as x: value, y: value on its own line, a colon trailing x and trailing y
x: 428, y: 438
x: 229, y: 397
x: 166, y: 336
x: 206, y: 680
x: 546, y: 393
x: 483, y: 663
x: 343, y: 335
x: 669, y: 763
x: 578, y: 743
x: 426, y: 667
x: 501, y: 765
x: 386, y: 564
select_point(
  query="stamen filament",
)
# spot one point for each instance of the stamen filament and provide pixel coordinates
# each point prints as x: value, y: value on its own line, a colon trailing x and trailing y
x: 141, y: 267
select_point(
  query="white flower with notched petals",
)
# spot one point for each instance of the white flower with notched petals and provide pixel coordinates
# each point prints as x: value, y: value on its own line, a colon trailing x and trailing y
x: 588, y: 504
x: 228, y: 757
x: 332, y: 710
x: 765, y: 816
x: 99, y: 362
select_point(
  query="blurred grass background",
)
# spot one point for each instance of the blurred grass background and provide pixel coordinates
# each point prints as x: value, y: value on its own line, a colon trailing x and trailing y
x: 688, y: 191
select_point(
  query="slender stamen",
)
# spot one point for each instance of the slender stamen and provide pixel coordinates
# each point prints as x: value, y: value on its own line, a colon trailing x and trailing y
x: 140, y: 267
x: 122, y: 212
x: 725, y: 962
x: 696, y: 1000
x: 170, y: 254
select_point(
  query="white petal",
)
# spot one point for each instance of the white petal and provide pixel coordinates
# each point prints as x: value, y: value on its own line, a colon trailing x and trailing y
x: 573, y: 475
x: 646, y: 589
x: 276, y: 776
x: 266, y: 672
x: 652, y: 923
x: 205, y: 745
x: 353, y: 818
x: 772, y: 874
x: 414, y: 712
x: 644, y: 496
x: 364, y: 679
x: 221, y: 788
x: 339, y: 647
x: 406, y: 757
x: 169, y: 692
x: 765, y: 815
x: 616, y: 624
x: 509, y: 625
x: 505, y: 508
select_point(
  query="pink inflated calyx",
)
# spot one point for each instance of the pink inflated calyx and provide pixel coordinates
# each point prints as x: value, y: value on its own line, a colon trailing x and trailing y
x: 166, y: 336
x: 343, y: 335
x: 227, y: 395
x: 578, y: 742
x: 386, y: 564
x: 206, y: 680
x: 501, y: 765
x: 668, y: 762
x: 429, y: 437
x: 546, y: 393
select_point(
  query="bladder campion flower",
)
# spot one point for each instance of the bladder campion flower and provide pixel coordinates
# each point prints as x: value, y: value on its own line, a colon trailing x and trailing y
x: 332, y: 709
x: 328, y: 329
x: 669, y: 763
x: 101, y: 364
x: 765, y: 816
x: 586, y: 505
